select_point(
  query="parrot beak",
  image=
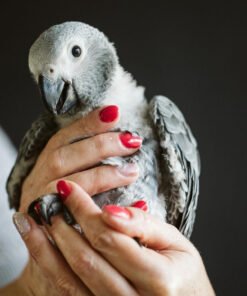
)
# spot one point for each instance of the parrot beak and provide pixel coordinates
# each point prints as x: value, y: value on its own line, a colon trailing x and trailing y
x: 55, y: 95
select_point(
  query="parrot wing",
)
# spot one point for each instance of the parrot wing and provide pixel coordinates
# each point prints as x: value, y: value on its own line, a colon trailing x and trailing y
x: 31, y: 145
x: 180, y: 163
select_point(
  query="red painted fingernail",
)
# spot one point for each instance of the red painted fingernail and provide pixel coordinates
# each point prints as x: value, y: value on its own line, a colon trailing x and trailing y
x: 64, y: 189
x: 130, y: 141
x: 109, y: 113
x: 140, y: 204
x: 37, y: 208
x: 117, y: 211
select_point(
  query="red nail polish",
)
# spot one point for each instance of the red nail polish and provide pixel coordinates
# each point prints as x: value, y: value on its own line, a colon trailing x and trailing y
x: 117, y: 211
x: 64, y: 189
x: 37, y: 208
x: 140, y: 204
x: 109, y: 113
x: 130, y: 141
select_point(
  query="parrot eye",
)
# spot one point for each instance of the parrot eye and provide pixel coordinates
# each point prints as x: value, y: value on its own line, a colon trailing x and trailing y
x: 76, y: 51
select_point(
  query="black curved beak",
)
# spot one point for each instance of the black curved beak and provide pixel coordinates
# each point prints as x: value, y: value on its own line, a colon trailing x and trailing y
x: 54, y: 94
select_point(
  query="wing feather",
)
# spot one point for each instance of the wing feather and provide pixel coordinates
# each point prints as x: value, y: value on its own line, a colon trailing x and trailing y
x: 31, y: 145
x: 180, y: 163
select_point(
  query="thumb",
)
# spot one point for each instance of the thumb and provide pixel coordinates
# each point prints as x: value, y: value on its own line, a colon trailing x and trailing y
x: 150, y: 231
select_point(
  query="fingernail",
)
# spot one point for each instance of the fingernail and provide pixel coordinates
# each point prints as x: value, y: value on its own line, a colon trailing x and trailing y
x: 109, y: 113
x: 140, y: 204
x: 117, y: 211
x: 37, y: 208
x: 64, y: 189
x: 128, y: 169
x: 130, y: 141
x: 21, y: 223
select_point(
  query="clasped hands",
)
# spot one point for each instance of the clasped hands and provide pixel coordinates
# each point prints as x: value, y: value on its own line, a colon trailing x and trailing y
x: 106, y: 260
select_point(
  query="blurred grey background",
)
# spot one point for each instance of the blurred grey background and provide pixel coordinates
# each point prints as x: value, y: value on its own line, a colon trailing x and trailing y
x: 193, y: 53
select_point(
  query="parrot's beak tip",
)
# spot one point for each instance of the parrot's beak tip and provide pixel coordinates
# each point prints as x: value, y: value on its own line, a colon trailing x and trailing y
x: 62, y: 98
x: 55, y: 95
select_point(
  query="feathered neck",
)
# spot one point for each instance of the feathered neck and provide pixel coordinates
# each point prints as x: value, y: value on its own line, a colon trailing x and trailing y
x: 124, y: 91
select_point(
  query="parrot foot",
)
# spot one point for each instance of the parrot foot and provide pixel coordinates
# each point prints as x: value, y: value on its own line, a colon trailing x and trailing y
x: 46, y: 206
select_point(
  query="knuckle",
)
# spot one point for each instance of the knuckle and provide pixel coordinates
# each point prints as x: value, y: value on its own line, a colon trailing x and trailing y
x: 104, y: 241
x: 172, y: 228
x: 77, y: 207
x: 65, y: 287
x: 163, y: 282
x: 175, y: 234
x: 56, y: 161
x: 84, y: 125
x: 159, y: 288
x: 54, y: 140
x: 35, y: 249
x: 169, y: 284
x: 101, y: 179
x: 83, y: 264
x: 143, y: 220
x: 100, y: 145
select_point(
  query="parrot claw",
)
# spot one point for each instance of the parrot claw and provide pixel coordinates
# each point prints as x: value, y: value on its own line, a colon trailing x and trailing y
x: 46, y: 206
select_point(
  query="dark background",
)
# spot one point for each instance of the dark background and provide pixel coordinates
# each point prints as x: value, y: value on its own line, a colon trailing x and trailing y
x: 194, y: 54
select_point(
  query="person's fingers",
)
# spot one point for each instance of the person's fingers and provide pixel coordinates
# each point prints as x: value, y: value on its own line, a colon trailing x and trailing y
x: 93, y: 181
x: 100, y: 179
x: 96, y: 122
x: 117, y: 248
x: 49, y: 163
x: 104, y: 178
x: 99, y: 276
x: 150, y: 231
x: 89, y: 152
x: 131, y: 221
x: 48, y: 258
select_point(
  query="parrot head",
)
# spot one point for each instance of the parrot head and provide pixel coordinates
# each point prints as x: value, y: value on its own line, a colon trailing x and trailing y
x: 73, y: 65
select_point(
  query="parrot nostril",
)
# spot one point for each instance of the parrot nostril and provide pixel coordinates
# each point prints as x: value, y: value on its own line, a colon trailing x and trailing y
x: 51, y: 70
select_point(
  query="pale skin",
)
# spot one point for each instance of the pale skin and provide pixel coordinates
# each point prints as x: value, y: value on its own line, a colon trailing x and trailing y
x: 106, y: 260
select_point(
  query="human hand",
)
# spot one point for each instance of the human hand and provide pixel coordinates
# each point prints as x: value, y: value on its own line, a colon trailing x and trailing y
x: 106, y: 241
x: 46, y: 273
x: 64, y: 158
x: 61, y: 158
x: 167, y: 264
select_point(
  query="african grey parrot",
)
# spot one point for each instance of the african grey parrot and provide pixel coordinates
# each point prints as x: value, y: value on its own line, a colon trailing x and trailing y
x: 77, y: 70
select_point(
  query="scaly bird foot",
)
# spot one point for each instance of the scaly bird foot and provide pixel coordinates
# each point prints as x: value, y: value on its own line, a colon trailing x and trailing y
x: 46, y: 206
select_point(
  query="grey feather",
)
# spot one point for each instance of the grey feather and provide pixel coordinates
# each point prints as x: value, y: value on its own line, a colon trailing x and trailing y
x: 178, y: 147
x: 32, y: 144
